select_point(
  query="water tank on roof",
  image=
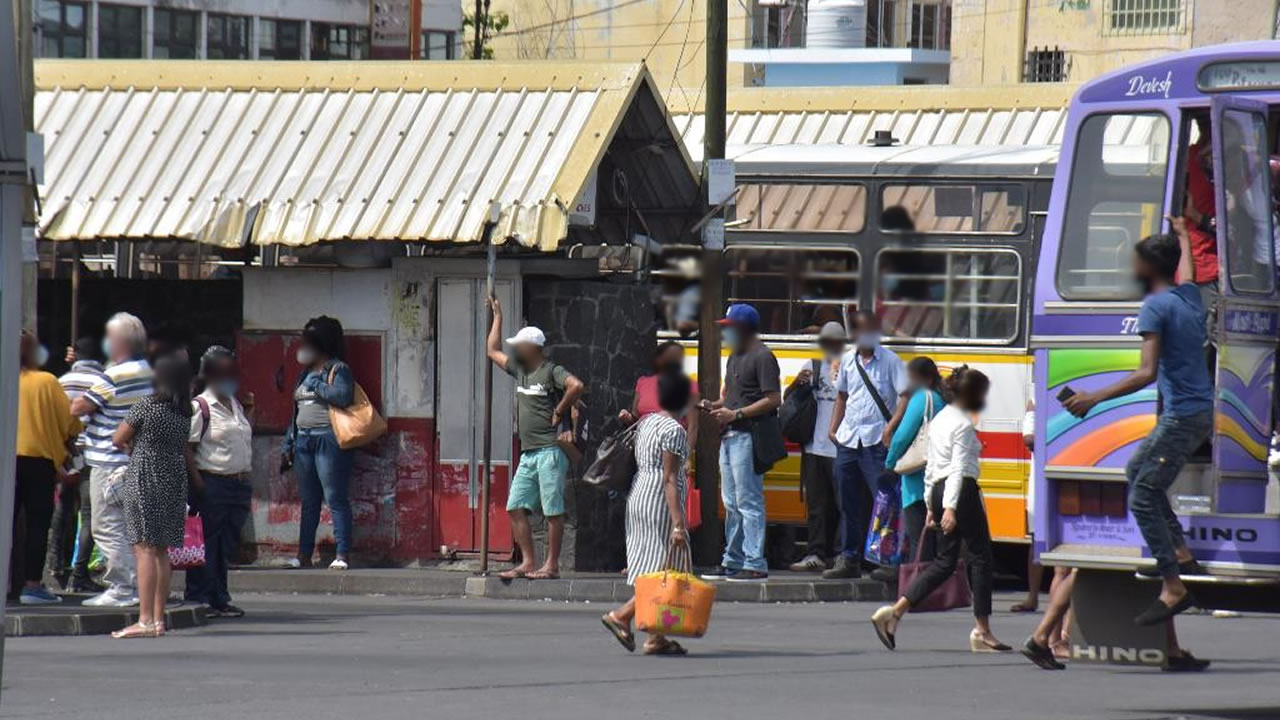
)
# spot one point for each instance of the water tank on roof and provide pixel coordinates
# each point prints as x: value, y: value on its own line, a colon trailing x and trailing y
x: 836, y: 24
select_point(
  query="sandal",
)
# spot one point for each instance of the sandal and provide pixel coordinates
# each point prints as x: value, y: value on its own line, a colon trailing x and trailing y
x: 619, y: 631
x: 136, y: 630
x: 667, y: 647
x: 1023, y: 607
x: 512, y: 574
x: 544, y: 575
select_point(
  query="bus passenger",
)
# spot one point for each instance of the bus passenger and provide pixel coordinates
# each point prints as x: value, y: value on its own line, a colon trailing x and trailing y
x: 818, y: 461
x: 1200, y: 210
x: 955, y: 504
x: 872, y: 378
x: 1172, y: 325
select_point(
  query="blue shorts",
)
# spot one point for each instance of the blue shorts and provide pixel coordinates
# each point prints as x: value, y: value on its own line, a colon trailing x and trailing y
x: 539, y: 481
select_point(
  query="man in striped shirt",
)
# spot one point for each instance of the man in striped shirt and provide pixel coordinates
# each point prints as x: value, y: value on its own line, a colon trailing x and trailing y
x: 127, y: 380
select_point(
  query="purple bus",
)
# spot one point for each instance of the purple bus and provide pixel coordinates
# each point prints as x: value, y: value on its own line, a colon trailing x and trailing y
x: 1190, y: 134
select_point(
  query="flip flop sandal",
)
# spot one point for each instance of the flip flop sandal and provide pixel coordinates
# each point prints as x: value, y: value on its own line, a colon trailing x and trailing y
x: 512, y: 575
x: 668, y: 647
x: 1023, y: 608
x: 541, y: 575
x: 619, y: 631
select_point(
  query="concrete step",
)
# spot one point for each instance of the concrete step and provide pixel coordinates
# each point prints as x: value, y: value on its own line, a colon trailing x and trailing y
x: 572, y: 587
x: 71, y: 618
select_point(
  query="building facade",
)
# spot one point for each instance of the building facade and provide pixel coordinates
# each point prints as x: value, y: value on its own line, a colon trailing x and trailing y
x: 230, y: 29
x: 1011, y: 41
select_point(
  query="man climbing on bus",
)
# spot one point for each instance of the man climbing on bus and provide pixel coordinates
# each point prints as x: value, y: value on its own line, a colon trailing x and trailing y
x: 1172, y: 325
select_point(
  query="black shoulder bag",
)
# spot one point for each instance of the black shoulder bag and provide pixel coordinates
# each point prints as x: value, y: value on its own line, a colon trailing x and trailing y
x: 799, y: 411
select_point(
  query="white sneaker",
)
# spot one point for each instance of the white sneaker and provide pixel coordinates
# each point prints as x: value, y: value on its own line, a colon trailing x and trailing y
x: 338, y: 564
x: 110, y: 599
x: 810, y: 563
x: 292, y: 563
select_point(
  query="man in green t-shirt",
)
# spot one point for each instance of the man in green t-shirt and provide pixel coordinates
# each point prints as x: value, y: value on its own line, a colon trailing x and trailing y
x: 545, y: 393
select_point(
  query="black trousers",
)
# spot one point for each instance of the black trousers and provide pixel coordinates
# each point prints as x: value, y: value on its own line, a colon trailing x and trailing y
x: 36, y: 478
x: 818, y: 478
x: 913, y: 517
x: 971, y: 529
x: 224, y: 508
x: 67, y: 542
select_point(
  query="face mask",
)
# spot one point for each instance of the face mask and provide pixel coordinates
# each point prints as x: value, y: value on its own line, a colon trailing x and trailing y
x: 226, y: 388
x: 306, y: 356
x: 731, y: 338
x: 868, y: 340
x: 106, y: 348
x: 42, y: 356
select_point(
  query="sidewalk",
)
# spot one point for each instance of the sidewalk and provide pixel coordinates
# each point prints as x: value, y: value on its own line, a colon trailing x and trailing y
x: 72, y: 618
x: 571, y: 587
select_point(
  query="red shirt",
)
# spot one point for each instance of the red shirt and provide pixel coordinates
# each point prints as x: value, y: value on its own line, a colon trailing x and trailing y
x: 1204, y: 246
x: 647, y: 397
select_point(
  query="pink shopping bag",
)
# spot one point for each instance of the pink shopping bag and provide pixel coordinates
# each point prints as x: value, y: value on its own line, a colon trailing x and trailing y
x: 191, y: 554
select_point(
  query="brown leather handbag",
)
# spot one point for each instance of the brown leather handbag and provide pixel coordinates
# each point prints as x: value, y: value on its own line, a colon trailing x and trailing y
x: 359, y: 423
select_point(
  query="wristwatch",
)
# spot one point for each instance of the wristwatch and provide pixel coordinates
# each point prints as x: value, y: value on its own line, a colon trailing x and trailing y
x: 739, y: 416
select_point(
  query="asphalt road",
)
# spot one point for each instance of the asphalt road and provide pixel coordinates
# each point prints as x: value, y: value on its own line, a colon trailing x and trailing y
x: 376, y: 657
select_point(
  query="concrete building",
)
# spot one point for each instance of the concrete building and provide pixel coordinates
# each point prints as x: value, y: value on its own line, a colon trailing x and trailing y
x: 1011, y: 41
x: 230, y: 29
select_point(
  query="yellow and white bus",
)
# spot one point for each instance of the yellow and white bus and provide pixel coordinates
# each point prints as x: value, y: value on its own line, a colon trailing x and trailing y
x: 940, y: 241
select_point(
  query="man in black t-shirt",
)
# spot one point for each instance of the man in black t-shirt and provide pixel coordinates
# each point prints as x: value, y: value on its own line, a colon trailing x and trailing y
x: 752, y: 389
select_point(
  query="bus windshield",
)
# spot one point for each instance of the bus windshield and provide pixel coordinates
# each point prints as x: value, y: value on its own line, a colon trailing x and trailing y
x: 1115, y: 199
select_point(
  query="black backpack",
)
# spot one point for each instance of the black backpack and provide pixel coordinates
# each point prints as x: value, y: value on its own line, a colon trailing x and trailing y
x: 799, y: 411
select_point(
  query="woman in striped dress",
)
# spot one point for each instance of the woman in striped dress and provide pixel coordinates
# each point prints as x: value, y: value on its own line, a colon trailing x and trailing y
x: 656, y: 534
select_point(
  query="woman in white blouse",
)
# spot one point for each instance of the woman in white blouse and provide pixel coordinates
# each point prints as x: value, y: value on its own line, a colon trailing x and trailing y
x: 955, y: 503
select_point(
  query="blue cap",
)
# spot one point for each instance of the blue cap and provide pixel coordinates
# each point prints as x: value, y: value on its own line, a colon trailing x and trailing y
x: 743, y: 315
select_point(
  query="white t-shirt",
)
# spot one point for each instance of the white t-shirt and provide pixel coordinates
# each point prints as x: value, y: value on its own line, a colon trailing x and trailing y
x: 824, y: 391
x: 953, y: 454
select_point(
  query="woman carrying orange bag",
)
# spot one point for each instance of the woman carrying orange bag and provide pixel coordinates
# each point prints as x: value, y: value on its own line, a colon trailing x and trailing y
x: 657, y: 535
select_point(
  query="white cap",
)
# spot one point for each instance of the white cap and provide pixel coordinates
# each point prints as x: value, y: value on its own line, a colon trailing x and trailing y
x: 833, y: 331
x: 530, y: 335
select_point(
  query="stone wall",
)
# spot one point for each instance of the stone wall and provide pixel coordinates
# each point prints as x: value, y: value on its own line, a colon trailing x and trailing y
x: 604, y: 333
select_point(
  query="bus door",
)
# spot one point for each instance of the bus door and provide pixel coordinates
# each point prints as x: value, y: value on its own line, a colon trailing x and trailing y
x: 1246, y: 323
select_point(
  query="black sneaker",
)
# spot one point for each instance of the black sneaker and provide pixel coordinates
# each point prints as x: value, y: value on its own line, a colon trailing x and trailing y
x: 85, y: 585
x: 748, y: 576
x: 719, y: 572
x: 844, y: 569
x: 1190, y: 567
x: 885, y: 574
x: 1160, y: 613
x: 1186, y: 662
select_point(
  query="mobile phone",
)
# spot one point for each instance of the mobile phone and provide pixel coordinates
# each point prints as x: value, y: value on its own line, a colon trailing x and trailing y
x: 1065, y: 394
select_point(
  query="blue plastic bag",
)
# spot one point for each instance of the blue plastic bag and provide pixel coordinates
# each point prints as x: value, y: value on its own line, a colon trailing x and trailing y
x: 884, y: 541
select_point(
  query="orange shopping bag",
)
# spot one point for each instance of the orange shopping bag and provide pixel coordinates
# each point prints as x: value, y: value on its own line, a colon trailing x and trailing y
x: 673, y: 603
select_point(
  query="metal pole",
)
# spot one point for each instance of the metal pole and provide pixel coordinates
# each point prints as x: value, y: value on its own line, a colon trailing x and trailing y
x: 477, y: 45
x: 75, y: 291
x: 489, y: 292
x: 14, y: 198
x: 708, y: 541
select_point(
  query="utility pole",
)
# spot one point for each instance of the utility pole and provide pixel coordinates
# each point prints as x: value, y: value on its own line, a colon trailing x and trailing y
x: 710, y: 536
x: 26, y: 54
x: 477, y: 46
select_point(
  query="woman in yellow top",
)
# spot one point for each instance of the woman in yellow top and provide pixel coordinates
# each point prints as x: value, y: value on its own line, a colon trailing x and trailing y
x: 45, y: 426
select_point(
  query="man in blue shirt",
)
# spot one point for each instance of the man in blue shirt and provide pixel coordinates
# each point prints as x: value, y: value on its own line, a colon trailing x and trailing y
x: 1172, y: 325
x: 860, y: 425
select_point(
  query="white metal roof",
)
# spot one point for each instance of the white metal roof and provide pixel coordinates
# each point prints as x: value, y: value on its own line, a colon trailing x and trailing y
x: 296, y: 153
x: 953, y: 160
x: 915, y: 115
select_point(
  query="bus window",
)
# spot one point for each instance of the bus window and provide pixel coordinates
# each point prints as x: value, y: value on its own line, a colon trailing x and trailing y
x: 925, y: 208
x: 1115, y: 198
x: 800, y: 206
x: 1248, y: 207
x: 949, y: 295
x: 796, y: 290
x: 677, y: 279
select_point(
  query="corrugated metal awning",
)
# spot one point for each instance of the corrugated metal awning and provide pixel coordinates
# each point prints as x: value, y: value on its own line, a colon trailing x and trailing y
x: 914, y: 115
x: 297, y: 153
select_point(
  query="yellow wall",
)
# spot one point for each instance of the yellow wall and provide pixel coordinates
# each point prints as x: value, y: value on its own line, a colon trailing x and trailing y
x: 990, y: 38
x: 653, y: 30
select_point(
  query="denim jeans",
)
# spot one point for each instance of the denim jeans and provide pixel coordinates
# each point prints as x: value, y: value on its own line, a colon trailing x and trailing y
x: 856, y: 469
x: 742, y: 491
x: 224, y: 508
x: 323, y: 471
x: 1151, y: 471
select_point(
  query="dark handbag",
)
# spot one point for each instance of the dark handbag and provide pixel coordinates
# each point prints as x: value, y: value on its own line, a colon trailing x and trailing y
x: 767, y: 445
x: 799, y: 411
x: 952, y: 593
x: 615, y: 465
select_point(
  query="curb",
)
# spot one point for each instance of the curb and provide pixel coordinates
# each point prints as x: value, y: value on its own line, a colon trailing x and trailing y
x: 25, y: 622
x: 598, y: 588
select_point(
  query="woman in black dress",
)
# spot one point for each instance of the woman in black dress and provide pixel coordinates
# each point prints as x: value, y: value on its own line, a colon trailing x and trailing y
x: 155, y: 434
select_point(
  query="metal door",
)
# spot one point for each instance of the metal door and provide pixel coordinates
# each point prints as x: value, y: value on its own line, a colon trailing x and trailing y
x: 1247, y: 313
x: 460, y: 359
